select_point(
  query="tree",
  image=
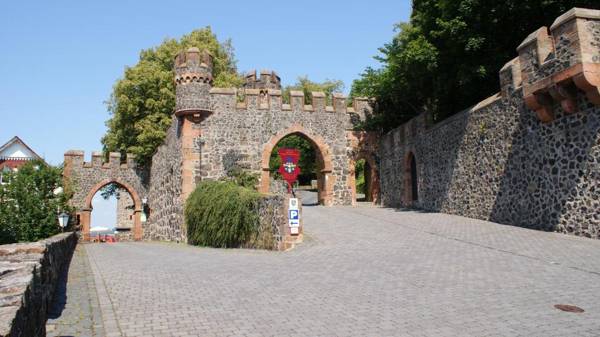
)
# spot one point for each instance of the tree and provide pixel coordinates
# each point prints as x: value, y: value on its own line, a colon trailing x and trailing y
x: 28, y: 204
x: 448, y: 56
x: 307, y: 86
x: 142, y: 102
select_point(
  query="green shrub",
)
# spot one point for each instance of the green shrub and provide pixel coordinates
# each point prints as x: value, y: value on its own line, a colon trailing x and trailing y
x: 242, y: 178
x: 359, y: 170
x: 222, y: 214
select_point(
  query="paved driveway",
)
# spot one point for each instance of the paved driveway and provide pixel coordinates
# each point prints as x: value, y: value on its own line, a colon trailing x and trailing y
x: 363, y: 271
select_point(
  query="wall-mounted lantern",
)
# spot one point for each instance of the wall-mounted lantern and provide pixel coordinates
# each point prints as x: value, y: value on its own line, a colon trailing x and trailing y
x: 63, y: 220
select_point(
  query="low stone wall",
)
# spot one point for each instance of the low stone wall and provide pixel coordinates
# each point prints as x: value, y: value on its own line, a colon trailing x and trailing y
x: 273, y: 231
x: 29, y: 274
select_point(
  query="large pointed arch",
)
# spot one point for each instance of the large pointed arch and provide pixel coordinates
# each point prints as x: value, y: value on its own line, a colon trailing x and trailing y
x: 324, y: 161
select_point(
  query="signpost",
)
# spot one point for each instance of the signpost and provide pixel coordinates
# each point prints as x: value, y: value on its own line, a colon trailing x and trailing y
x: 294, y: 216
x: 289, y: 170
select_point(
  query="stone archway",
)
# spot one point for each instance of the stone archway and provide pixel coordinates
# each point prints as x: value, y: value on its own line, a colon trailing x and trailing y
x: 411, y: 180
x: 86, y: 212
x: 86, y: 178
x: 325, y: 180
x: 372, y: 187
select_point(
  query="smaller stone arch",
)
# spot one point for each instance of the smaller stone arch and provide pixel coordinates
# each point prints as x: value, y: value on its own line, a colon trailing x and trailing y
x: 411, y: 180
x: 371, y: 177
x: 86, y: 178
x: 364, y: 145
x: 85, y: 214
x: 324, y: 177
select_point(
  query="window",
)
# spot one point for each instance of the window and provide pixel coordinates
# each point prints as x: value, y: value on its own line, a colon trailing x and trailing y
x: 3, y: 175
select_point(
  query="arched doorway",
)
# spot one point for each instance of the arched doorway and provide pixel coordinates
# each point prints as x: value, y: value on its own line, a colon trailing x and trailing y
x: 411, y: 181
x: 364, y: 180
x: 85, y: 214
x: 322, y: 157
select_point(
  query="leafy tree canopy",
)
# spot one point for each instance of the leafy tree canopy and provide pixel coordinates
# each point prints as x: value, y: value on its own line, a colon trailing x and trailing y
x: 28, y: 204
x: 142, y: 102
x: 448, y: 56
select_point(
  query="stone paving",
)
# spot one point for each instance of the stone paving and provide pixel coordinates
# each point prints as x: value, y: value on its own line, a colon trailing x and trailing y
x: 75, y: 310
x: 363, y: 271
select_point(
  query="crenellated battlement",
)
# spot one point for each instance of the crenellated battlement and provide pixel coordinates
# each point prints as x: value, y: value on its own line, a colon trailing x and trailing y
x: 553, y: 65
x: 271, y: 99
x: 76, y: 158
x: 193, y: 80
x: 268, y: 79
x: 193, y: 65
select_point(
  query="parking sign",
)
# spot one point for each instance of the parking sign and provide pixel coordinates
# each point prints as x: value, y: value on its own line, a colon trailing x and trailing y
x: 294, y: 218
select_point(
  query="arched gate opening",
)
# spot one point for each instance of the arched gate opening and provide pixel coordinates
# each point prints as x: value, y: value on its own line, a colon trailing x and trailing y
x: 86, y: 213
x: 323, y: 165
x: 364, y: 179
x: 411, y: 180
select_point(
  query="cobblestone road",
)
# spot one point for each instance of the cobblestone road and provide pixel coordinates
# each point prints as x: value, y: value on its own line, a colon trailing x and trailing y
x: 363, y: 271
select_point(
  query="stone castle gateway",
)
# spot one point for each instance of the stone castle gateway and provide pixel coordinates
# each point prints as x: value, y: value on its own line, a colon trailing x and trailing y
x: 527, y: 156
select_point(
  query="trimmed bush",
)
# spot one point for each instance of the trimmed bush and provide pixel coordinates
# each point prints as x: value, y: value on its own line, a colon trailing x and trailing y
x: 222, y: 214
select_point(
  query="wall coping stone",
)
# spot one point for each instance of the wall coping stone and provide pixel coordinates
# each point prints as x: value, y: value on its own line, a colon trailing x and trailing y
x: 573, y: 13
x: 29, y: 273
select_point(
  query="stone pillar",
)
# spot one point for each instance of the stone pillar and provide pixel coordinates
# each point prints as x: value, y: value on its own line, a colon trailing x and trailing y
x: 265, y: 180
x: 137, y: 224
x: 190, y: 131
x: 85, y: 217
x: 289, y: 239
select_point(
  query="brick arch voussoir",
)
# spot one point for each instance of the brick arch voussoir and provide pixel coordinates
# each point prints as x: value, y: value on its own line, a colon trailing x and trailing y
x: 369, y: 157
x: 318, y: 141
x: 132, y: 191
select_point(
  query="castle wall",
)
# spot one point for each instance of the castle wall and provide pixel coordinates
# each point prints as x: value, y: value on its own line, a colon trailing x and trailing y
x: 165, y: 221
x: 529, y: 156
x: 239, y: 134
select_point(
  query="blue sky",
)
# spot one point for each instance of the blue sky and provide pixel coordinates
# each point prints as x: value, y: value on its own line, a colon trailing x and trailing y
x: 59, y: 59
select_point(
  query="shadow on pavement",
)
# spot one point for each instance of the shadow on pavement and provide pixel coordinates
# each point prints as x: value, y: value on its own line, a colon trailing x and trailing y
x: 59, y: 299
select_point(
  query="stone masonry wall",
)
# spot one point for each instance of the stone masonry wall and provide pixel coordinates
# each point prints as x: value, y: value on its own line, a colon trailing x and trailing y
x: 88, y: 177
x: 166, y: 206
x: 239, y: 133
x: 504, y: 161
x: 125, y: 207
x: 30, y: 272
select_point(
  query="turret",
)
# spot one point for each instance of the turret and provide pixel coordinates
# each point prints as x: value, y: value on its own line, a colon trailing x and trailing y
x: 267, y: 80
x: 193, y: 81
x: 556, y: 64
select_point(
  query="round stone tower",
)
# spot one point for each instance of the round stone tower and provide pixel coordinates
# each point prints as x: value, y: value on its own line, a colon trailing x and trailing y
x: 193, y: 80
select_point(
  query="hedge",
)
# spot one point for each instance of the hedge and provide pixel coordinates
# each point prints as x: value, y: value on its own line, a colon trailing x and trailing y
x: 221, y: 214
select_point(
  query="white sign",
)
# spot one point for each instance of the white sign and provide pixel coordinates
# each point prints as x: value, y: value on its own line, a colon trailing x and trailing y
x: 293, y: 203
x: 294, y: 230
x: 294, y: 218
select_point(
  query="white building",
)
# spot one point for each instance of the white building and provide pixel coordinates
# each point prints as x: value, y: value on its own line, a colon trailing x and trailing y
x: 14, y: 154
